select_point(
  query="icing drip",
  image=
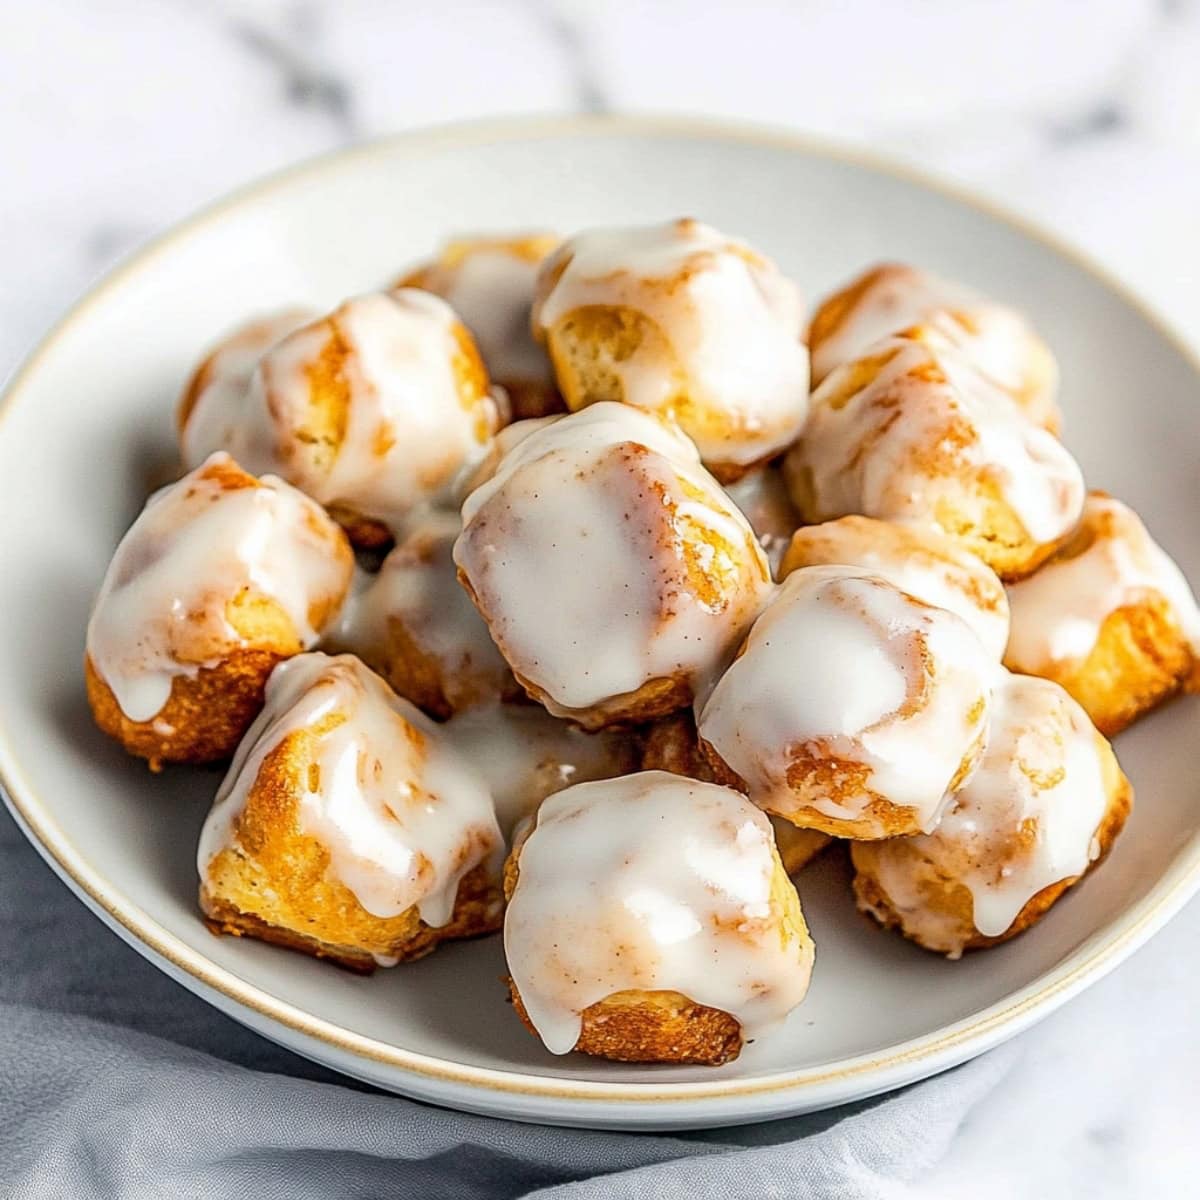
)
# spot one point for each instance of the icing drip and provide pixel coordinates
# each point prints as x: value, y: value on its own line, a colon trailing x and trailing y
x: 731, y: 365
x: 604, y: 556
x: 651, y: 882
x: 365, y: 409
x: 198, y: 544
x: 1027, y: 819
x: 401, y: 814
x: 1110, y: 563
x: 845, y: 668
x: 920, y: 562
x: 935, y: 430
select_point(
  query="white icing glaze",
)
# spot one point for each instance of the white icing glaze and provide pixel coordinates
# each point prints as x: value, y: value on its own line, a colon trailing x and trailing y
x: 197, y: 544
x: 1057, y: 613
x: 504, y: 441
x: 844, y: 666
x: 733, y: 324
x: 1027, y: 819
x: 920, y: 562
x: 935, y: 430
x: 525, y: 755
x: 417, y: 591
x: 650, y: 882
x: 409, y: 432
x: 762, y: 497
x: 222, y: 381
x: 574, y: 548
x: 996, y: 339
x: 490, y: 285
x: 402, y: 815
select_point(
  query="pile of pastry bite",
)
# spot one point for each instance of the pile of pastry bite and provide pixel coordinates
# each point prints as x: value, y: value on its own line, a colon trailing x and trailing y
x: 587, y: 590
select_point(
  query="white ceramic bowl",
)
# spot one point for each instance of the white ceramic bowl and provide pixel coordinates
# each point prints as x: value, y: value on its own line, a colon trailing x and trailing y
x: 87, y: 428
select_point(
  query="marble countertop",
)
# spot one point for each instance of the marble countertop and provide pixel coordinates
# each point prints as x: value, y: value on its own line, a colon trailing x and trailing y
x: 120, y: 119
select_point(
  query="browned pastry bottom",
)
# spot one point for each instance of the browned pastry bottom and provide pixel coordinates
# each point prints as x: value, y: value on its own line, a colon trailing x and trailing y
x: 477, y: 913
x: 652, y: 1027
x: 205, y: 715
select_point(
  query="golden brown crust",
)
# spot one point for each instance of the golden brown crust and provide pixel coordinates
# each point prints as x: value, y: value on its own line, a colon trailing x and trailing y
x: 839, y: 780
x: 205, y: 715
x: 273, y: 882
x: 420, y: 677
x: 950, y: 903
x: 660, y: 1026
x: 587, y: 348
x: 221, y: 917
x: 476, y: 914
x: 655, y: 698
x: 991, y: 530
x: 1141, y: 659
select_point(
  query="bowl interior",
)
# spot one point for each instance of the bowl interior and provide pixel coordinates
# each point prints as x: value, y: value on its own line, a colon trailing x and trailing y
x: 89, y: 432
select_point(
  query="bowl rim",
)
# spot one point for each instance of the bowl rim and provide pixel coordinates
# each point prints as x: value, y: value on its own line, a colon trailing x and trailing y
x: 922, y: 1055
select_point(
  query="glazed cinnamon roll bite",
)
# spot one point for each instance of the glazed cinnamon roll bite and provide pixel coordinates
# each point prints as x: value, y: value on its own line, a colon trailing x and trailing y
x: 1041, y: 811
x: 348, y: 827
x: 416, y: 626
x: 922, y: 562
x: 1110, y: 617
x: 852, y: 707
x: 685, y: 322
x: 220, y: 577
x: 489, y: 282
x: 372, y: 410
x: 630, y: 940
x: 671, y: 744
x: 613, y: 572
x: 910, y: 431
x: 995, y: 339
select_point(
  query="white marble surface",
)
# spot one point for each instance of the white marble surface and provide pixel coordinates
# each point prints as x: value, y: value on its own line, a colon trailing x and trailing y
x: 116, y: 119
